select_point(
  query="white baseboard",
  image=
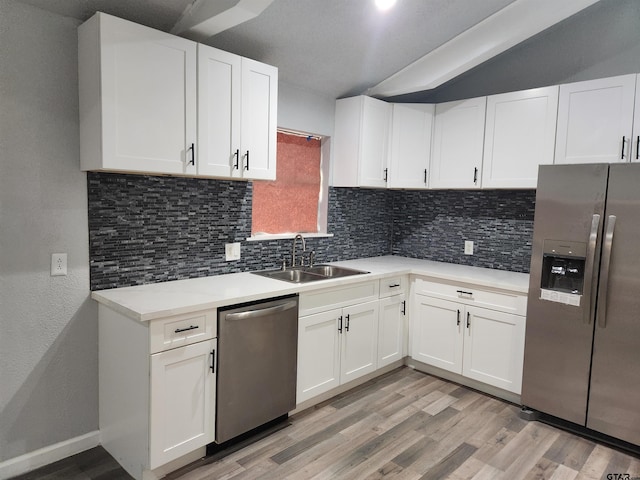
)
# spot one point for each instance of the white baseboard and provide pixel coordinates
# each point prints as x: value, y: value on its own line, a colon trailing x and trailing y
x: 44, y: 456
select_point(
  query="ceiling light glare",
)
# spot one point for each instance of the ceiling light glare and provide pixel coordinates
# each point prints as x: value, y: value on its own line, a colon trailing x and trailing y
x: 385, y: 4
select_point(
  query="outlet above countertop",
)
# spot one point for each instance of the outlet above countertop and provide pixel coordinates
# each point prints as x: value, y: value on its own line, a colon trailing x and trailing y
x: 152, y: 301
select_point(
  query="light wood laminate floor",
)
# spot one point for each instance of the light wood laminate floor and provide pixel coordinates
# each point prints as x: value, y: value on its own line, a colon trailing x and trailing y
x: 408, y: 425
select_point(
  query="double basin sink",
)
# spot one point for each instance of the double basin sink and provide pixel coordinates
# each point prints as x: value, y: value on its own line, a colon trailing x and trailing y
x: 310, y: 274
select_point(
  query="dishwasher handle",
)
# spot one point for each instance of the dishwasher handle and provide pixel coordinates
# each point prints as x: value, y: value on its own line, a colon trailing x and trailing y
x: 248, y: 314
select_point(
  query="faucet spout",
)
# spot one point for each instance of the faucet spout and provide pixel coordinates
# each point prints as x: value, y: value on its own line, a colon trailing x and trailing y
x: 293, y: 251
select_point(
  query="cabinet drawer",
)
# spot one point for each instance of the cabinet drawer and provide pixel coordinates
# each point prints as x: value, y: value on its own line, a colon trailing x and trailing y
x: 337, y: 297
x: 393, y: 286
x: 179, y: 330
x: 473, y: 295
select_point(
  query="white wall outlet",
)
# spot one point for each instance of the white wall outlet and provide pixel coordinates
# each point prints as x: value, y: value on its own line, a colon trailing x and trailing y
x: 232, y: 251
x: 58, y: 264
x: 468, y: 247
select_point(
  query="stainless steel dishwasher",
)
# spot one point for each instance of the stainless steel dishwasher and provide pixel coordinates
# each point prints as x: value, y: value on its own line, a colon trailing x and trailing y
x: 257, y: 364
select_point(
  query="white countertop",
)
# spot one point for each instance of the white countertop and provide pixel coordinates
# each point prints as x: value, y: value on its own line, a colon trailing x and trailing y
x: 148, y: 302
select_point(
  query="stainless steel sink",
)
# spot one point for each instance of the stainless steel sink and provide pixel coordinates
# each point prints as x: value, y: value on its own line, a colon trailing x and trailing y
x: 310, y: 274
x: 333, y: 271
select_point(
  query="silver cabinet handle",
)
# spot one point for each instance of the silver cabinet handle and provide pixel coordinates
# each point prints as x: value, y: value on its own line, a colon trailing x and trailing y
x: 260, y: 313
x: 588, y: 268
x: 604, y: 275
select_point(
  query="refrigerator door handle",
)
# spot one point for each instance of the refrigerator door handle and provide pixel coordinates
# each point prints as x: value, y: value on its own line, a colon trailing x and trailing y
x: 588, y: 268
x: 604, y: 276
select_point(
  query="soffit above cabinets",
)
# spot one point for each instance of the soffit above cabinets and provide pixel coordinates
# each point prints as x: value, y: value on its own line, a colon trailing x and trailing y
x: 338, y: 48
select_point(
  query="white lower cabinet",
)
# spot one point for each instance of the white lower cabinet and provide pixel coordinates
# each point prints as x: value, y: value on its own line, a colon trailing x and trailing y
x: 318, y: 354
x: 482, y: 344
x: 345, y: 333
x: 359, y: 342
x: 335, y: 347
x: 157, y: 389
x: 183, y: 393
x: 391, y: 330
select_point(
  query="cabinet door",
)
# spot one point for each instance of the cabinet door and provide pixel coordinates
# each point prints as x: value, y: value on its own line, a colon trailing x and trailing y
x: 374, y: 143
x: 359, y: 350
x: 436, y: 333
x: 391, y: 331
x: 411, y: 127
x: 219, y: 83
x: 182, y: 401
x: 318, y: 354
x: 148, y: 99
x: 635, y: 140
x: 457, y: 144
x: 494, y: 348
x: 520, y: 134
x: 595, y: 120
x: 258, y: 121
x: 361, y: 142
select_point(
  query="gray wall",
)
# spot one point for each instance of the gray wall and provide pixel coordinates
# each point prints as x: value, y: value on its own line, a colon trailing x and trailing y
x: 48, y: 325
x: 600, y: 41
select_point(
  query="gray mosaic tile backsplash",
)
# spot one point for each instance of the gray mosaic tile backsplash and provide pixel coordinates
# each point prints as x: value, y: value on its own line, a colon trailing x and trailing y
x: 434, y: 224
x: 147, y: 229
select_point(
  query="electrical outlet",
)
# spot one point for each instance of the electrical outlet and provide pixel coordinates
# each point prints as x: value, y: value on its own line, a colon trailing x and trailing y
x: 58, y: 264
x: 232, y: 251
x: 468, y: 247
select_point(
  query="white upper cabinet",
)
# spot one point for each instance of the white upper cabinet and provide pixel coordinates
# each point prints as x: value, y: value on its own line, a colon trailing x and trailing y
x: 361, y: 142
x: 520, y: 134
x: 142, y: 91
x: 237, y: 116
x: 219, y: 74
x: 595, y: 121
x: 458, y: 139
x: 411, y: 128
x: 137, y: 98
x: 635, y: 143
x: 259, y: 119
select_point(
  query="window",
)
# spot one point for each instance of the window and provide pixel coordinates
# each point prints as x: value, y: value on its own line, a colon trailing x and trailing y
x: 296, y: 201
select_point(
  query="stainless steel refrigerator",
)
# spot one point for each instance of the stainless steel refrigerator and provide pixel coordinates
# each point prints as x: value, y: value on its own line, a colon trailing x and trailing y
x: 582, y: 344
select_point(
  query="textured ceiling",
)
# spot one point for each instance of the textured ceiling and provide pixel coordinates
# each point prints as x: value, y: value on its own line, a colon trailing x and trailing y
x: 335, y: 48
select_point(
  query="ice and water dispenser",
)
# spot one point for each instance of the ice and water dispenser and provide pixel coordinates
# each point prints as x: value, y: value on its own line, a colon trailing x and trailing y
x: 563, y: 271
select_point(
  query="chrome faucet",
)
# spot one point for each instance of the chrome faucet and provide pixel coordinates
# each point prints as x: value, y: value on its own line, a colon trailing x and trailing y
x: 293, y: 251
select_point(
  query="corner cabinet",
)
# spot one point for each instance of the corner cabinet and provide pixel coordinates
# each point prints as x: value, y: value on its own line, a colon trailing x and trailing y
x: 142, y: 92
x: 237, y: 116
x: 157, y: 389
x: 474, y: 332
x: 458, y: 138
x: 595, y: 121
x: 361, y: 142
x: 520, y: 135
